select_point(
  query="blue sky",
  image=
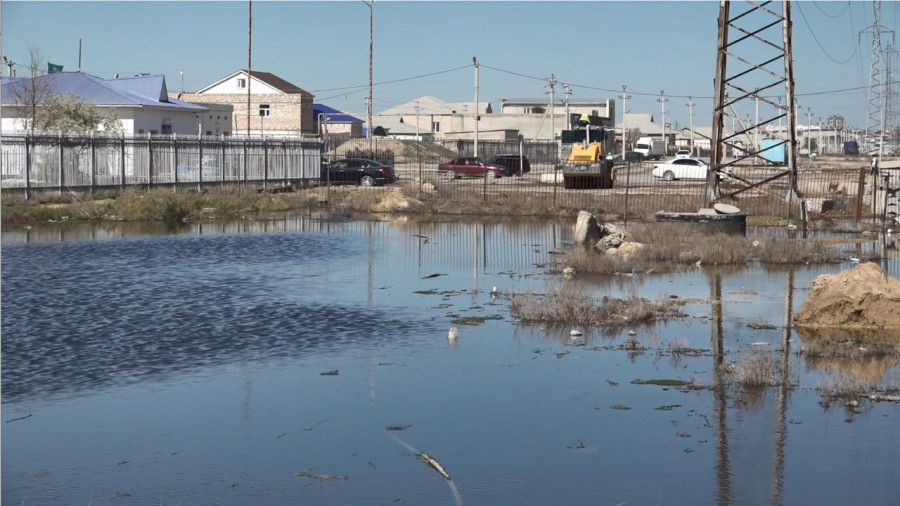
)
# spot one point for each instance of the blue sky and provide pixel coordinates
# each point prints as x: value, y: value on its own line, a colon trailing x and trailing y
x: 320, y: 46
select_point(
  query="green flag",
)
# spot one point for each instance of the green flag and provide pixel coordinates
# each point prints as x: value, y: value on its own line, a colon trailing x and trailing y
x: 52, y: 68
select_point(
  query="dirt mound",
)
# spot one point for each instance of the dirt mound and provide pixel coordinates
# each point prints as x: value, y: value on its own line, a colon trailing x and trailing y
x: 396, y: 201
x: 860, y: 298
x: 403, y: 151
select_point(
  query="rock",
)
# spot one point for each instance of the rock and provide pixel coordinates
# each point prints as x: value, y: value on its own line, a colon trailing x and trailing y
x: 610, y: 241
x: 629, y: 249
x: 860, y: 298
x: 707, y: 211
x: 395, y: 201
x: 726, y: 208
x: 428, y: 188
x: 586, y: 228
x: 568, y: 272
x: 453, y: 335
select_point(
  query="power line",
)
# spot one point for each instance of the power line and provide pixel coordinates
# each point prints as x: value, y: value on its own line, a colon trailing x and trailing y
x: 513, y: 73
x: 829, y: 15
x: 420, y: 76
x: 802, y: 15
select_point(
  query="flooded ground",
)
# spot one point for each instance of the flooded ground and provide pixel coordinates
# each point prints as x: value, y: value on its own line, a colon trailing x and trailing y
x: 265, y: 362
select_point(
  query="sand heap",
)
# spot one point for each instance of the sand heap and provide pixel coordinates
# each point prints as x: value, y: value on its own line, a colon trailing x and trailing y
x: 860, y: 298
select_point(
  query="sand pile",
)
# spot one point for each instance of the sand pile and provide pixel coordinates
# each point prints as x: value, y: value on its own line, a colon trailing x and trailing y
x: 860, y: 298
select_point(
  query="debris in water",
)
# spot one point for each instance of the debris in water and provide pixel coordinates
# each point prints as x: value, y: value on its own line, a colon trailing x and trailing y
x: 632, y: 333
x: 313, y: 426
x: 453, y: 335
x: 333, y: 372
x: 432, y: 275
x: 398, y: 427
x: 20, y: 418
x: 434, y: 464
x: 574, y: 332
x: 321, y: 477
x: 759, y: 343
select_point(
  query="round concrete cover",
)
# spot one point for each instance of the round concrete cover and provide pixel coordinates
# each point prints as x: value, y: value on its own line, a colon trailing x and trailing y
x: 726, y: 209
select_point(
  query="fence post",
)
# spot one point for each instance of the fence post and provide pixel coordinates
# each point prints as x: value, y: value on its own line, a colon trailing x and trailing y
x: 150, y: 158
x: 27, y: 167
x: 122, y: 160
x: 222, y: 165
x: 555, y: 174
x: 93, y: 161
x: 246, y: 161
x: 627, y: 187
x: 265, y: 163
x: 175, y: 150
x: 60, y: 179
x: 200, y: 162
x: 860, y: 191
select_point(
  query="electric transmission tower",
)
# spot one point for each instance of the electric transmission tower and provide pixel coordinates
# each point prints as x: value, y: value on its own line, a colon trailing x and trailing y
x: 754, y: 72
x: 879, y: 82
x: 890, y: 114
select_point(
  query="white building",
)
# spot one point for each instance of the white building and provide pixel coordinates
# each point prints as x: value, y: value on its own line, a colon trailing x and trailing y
x: 141, y: 103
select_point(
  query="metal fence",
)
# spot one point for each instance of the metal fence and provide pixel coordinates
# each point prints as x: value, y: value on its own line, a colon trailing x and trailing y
x: 835, y: 189
x: 87, y: 162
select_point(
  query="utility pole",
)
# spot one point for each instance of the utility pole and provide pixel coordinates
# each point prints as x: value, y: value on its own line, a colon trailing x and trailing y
x: 808, y: 131
x: 691, y: 105
x: 552, y: 110
x: 182, y: 82
x: 568, y: 90
x: 371, y: 51
x: 9, y: 66
x: 249, y: 62
x: 624, y: 96
x: 475, y: 61
x: 662, y: 100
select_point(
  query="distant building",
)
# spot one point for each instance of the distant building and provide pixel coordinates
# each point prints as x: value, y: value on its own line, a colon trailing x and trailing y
x: 140, y: 103
x: 336, y: 121
x: 432, y: 115
x: 277, y: 107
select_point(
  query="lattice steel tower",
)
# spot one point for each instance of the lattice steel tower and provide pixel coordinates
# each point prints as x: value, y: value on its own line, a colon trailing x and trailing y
x: 890, y: 114
x: 754, y: 65
x: 879, y: 82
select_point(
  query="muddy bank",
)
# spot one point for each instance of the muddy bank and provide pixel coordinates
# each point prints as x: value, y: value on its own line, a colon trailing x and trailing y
x: 860, y: 298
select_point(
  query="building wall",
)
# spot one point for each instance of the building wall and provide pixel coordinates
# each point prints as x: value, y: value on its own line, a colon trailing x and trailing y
x: 133, y: 120
x: 288, y: 113
x: 230, y: 87
x: 354, y: 129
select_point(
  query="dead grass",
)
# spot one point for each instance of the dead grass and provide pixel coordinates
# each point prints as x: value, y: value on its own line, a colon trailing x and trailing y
x: 565, y: 304
x: 681, y: 243
x: 787, y: 251
x: 758, y: 370
x: 844, y: 387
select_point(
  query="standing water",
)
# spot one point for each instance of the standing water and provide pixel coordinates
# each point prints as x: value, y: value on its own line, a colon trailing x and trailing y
x: 308, y: 362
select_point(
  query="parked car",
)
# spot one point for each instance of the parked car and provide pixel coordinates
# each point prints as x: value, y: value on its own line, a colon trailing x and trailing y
x: 685, y: 168
x: 361, y: 171
x: 681, y: 168
x: 512, y: 164
x: 470, y: 166
x: 634, y: 156
x: 683, y: 153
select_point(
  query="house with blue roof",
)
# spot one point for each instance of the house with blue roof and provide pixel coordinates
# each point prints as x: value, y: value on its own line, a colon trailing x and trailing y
x: 140, y: 103
x: 336, y: 122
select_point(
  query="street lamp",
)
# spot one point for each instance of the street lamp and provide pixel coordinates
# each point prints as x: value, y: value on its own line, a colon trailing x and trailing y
x: 371, y: 6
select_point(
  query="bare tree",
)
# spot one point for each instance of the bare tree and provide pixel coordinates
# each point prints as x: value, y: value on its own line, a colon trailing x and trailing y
x: 29, y: 93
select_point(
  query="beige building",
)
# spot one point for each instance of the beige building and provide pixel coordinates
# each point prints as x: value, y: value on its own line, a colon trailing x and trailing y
x: 526, y: 117
x: 277, y: 107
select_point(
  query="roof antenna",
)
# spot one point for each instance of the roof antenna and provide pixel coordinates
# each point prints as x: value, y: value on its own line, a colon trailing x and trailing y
x: 79, y: 54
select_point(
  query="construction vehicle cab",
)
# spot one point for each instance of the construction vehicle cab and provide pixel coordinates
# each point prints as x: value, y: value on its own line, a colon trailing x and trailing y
x: 586, y: 168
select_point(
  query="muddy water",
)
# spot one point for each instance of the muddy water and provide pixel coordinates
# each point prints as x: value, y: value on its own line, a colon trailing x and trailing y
x: 186, y: 366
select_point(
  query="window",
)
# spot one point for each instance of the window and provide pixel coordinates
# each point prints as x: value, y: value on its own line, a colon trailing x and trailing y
x: 167, y: 129
x: 242, y: 83
x: 435, y: 126
x: 209, y: 132
x: 264, y: 110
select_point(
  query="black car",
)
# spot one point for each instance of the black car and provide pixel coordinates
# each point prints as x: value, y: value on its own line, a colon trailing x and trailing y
x: 511, y: 163
x: 361, y: 171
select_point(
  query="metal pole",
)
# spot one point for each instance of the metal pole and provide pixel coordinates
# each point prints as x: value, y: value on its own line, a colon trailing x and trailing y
x: 61, y: 174
x: 691, y: 105
x: 662, y: 100
x: 475, y: 61
x: 371, y: 6
x: 27, y: 166
x: 249, y: 63
x: 808, y: 132
x: 568, y: 123
x: 756, y: 140
x: 552, y: 109
x: 624, y: 98
x: 122, y: 161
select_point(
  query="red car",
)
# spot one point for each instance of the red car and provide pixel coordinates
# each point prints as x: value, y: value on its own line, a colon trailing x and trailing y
x: 470, y: 166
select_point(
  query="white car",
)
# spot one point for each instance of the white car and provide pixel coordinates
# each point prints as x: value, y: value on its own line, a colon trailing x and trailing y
x: 681, y: 168
x: 683, y: 153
